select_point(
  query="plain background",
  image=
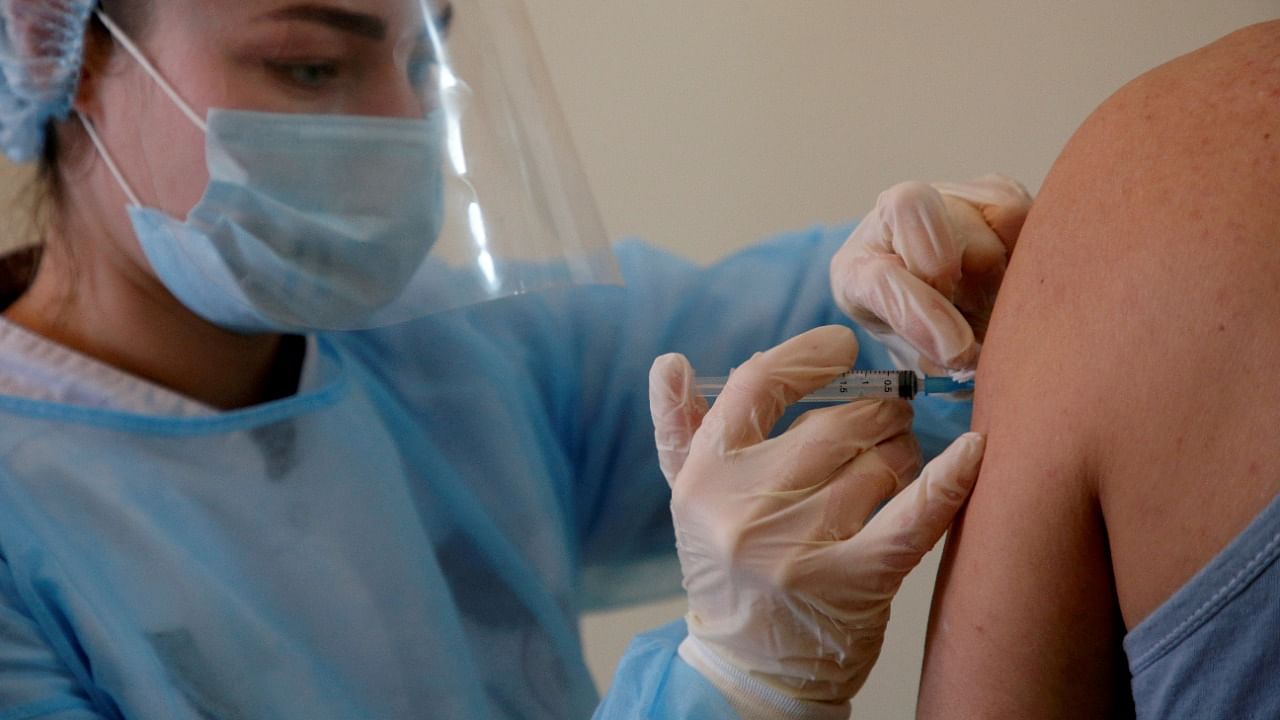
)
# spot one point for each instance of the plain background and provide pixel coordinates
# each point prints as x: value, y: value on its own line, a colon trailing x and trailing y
x: 705, y: 125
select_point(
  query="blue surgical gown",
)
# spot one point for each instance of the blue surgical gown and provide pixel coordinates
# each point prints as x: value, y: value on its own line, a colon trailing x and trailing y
x: 415, y: 535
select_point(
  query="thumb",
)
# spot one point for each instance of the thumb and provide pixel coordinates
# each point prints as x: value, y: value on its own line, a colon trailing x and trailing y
x: 677, y: 411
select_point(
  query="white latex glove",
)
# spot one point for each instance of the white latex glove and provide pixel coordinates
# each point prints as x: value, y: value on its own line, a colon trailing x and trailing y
x: 922, y: 269
x: 785, y: 583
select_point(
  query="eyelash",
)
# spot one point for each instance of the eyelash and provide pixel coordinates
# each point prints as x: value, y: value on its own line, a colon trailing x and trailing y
x: 293, y: 73
x: 290, y: 72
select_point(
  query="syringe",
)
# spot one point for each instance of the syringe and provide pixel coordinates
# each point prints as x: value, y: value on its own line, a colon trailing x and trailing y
x: 859, y: 384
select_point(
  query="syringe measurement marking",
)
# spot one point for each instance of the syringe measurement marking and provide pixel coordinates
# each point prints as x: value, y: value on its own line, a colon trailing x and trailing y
x: 857, y: 384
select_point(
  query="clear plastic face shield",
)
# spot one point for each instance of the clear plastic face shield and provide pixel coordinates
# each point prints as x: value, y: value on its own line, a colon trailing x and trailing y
x: 369, y: 162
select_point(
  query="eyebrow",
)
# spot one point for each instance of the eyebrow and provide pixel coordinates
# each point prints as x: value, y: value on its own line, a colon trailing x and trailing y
x: 361, y: 24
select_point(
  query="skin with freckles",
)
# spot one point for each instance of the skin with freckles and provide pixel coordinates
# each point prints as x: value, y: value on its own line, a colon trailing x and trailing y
x: 1127, y: 388
x: 95, y: 291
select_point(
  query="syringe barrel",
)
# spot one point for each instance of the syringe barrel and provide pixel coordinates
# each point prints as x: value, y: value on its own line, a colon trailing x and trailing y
x: 869, y: 384
x: 852, y: 385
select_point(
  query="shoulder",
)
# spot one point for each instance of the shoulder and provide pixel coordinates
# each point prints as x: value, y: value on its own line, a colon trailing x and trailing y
x: 1135, y: 332
x: 1157, y: 226
x: 1229, y: 86
x: 1197, y: 135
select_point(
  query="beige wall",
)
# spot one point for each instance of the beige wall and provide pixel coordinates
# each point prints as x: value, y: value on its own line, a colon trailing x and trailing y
x: 705, y: 125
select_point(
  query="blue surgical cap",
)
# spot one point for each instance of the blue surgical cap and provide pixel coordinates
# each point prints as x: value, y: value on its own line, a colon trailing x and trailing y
x: 41, y: 52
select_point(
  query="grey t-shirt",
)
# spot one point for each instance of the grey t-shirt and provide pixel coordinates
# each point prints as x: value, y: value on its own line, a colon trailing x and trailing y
x: 1213, y: 649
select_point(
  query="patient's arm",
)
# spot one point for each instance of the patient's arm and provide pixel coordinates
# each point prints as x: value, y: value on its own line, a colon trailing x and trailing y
x: 1127, y: 388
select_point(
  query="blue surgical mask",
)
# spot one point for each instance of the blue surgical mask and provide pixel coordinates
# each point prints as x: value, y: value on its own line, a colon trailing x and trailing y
x: 309, y: 222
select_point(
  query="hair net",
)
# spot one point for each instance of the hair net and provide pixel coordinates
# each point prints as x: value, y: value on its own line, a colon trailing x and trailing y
x: 41, y: 51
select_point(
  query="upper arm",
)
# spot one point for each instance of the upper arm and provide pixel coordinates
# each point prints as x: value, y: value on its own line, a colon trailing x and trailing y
x: 1024, y: 621
x: 1147, y: 265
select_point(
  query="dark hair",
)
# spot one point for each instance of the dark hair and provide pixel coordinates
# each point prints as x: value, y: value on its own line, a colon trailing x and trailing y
x: 65, y: 138
x: 45, y: 194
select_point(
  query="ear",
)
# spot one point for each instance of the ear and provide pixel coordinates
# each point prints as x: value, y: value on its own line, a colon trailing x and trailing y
x: 98, y: 47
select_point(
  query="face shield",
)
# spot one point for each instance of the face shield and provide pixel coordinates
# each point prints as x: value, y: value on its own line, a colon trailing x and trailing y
x: 369, y: 162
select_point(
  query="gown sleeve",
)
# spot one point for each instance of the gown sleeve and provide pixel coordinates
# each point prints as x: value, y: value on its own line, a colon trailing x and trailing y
x: 34, y: 681
x: 653, y: 683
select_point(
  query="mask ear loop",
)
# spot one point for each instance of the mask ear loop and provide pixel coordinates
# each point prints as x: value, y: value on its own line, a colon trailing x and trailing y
x: 129, y: 46
x: 151, y: 70
x: 106, y: 157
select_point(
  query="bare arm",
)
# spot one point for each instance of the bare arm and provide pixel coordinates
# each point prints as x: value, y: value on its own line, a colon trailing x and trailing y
x: 1149, y: 262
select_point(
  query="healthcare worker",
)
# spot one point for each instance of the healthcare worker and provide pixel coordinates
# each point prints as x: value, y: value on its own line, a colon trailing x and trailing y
x: 265, y: 453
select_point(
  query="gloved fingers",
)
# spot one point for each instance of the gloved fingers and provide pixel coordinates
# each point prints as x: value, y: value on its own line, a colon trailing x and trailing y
x: 806, y: 457
x: 1001, y: 200
x: 929, y: 367
x: 910, y: 220
x: 984, y: 263
x: 956, y: 237
x: 976, y: 299
x: 895, y: 540
x: 885, y: 296
x: 859, y: 486
x: 758, y: 392
x: 901, y: 453
x: 984, y: 252
x: 677, y: 411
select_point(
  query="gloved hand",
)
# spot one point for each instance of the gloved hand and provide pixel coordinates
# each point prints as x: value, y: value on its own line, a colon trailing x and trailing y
x: 787, y: 588
x: 922, y: 269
